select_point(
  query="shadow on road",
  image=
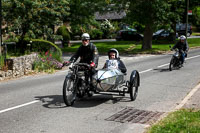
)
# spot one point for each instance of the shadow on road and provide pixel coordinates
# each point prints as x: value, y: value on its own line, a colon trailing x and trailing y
x: 99, y: 99
x: 51, y: 101
x: 162, y: 69
x: 56, y: 101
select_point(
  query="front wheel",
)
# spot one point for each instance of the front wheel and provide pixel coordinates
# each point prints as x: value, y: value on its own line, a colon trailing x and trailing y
x: 134, y: 84
x: 69, y: 93
x: 171, y: 64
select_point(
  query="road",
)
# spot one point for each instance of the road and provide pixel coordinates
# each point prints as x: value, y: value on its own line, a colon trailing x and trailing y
x: 34, y: 104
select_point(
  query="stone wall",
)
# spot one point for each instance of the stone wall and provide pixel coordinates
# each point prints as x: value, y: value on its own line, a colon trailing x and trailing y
x: 18, y: 66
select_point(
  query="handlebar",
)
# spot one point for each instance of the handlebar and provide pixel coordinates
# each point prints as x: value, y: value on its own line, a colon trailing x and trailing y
x: 80, y: 65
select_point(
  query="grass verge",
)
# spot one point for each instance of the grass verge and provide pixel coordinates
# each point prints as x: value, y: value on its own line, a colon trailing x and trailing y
x: 181, y: 121
x: 131, y: 47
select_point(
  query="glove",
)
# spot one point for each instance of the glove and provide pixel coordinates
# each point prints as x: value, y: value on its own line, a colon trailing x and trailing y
x: 92, y: 64
x: 66, y: 63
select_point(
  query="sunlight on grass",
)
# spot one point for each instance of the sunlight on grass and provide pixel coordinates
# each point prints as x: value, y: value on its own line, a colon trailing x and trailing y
x: 196, y: 33
x: 131, y: 47
x: 182, y: 121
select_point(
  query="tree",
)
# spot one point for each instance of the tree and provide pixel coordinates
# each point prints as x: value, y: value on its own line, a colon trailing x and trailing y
x: 194, y: 5
x: 150, y: 13
x: 34, y: 18
x: 176, y: 13
x: 82, y: 14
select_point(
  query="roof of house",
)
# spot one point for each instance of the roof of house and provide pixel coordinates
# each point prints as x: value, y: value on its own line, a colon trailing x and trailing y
x: 110, y: 15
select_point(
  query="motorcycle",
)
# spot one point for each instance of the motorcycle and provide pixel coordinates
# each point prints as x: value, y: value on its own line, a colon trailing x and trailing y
x: 78, y: 83
x: 175, y: 62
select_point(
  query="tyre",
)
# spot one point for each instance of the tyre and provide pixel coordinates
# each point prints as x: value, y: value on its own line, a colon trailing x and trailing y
x: 134, y: 84
x: 171, y: 64
x: 69, y: 93
x: 188, y: 34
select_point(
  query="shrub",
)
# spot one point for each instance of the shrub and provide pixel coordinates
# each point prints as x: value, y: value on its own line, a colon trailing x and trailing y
x: 43, y: 45
x: 107, y: 28
x: 1, y: 62
x: 47, y: 62
x: 63, y: 31
x: 76, y: 31
x: 96, y: 34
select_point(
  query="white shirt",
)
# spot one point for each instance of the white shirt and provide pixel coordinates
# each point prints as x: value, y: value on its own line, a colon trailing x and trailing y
x: 112, y: 64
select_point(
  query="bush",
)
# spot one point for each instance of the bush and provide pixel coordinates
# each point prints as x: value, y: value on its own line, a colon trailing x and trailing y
x: 1, y: 62
x: 63, y: 31
x: 96, y: 34
x: 42, y: 46
x: 76, y: 31
x: 47, y: 62
x: 107, y: 29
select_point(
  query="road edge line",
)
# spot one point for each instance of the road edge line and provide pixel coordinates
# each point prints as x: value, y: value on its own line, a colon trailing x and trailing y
x: 189, y: 95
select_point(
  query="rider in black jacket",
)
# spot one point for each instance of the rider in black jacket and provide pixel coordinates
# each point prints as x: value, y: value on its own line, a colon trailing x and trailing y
x: 182, y: 46
x: 87, y: 52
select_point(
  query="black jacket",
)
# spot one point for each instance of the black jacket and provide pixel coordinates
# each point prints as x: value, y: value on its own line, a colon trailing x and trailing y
x: 87, y: 54
x: 121, y: 66
x: 181, y: 46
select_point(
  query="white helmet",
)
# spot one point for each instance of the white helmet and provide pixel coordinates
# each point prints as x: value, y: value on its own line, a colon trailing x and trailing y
x: 182, y: 37
x: 115, y: 51
x: 85, y: 36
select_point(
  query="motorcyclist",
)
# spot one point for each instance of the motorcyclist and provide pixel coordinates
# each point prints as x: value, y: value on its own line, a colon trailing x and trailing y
x: 114, y: 61
x: 182, y: 46
x: 87, y: 52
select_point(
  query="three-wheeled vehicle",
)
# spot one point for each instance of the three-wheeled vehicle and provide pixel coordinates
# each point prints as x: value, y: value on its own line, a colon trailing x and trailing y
x: 78, y: 83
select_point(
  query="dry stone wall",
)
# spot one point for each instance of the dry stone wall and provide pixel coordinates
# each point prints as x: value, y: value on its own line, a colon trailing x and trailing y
x: 18, y: 66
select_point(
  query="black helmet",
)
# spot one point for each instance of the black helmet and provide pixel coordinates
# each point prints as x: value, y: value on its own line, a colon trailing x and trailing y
x: 115, y: 51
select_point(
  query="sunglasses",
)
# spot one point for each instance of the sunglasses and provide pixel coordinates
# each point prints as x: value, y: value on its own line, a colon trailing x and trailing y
x: 84, y: 40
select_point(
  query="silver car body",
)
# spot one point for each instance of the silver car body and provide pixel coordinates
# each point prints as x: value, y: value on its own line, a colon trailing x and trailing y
x: 108, y: 79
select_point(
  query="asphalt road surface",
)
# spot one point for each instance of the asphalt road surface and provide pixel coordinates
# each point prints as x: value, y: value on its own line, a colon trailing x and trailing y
x: 34, y: 104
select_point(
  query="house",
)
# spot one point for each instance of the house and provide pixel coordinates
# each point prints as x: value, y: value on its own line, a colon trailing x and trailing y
x: 112, y: 15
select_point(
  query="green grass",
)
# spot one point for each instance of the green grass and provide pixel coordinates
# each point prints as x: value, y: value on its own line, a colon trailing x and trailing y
x: 182, y: 121
x: 130, y: 47
x: 196, y: 33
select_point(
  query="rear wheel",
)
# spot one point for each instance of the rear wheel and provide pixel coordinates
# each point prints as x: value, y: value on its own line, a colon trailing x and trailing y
x: 69, y: 93
x: 134, y: 84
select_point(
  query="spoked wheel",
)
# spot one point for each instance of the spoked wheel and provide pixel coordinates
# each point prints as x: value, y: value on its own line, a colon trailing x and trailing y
x: 172, y: 64
x: 69, y: 93
x: 134, y: 84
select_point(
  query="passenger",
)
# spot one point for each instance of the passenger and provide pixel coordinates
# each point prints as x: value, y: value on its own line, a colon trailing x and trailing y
x: 114, y: 61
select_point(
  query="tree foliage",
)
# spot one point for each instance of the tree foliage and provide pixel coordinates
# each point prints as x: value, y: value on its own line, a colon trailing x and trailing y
x: 35, y: 18
x: 153, y: 14
x: 82, y: 14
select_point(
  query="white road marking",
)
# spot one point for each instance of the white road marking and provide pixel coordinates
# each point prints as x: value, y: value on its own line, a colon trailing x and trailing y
x: 163, y: 65
x: 168, y: 64
x: 19, y: 106
x: 192, y: 57
x: 146, y: 71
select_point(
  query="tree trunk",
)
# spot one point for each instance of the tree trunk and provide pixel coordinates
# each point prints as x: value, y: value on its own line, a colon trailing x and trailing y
x: 147, y: 41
